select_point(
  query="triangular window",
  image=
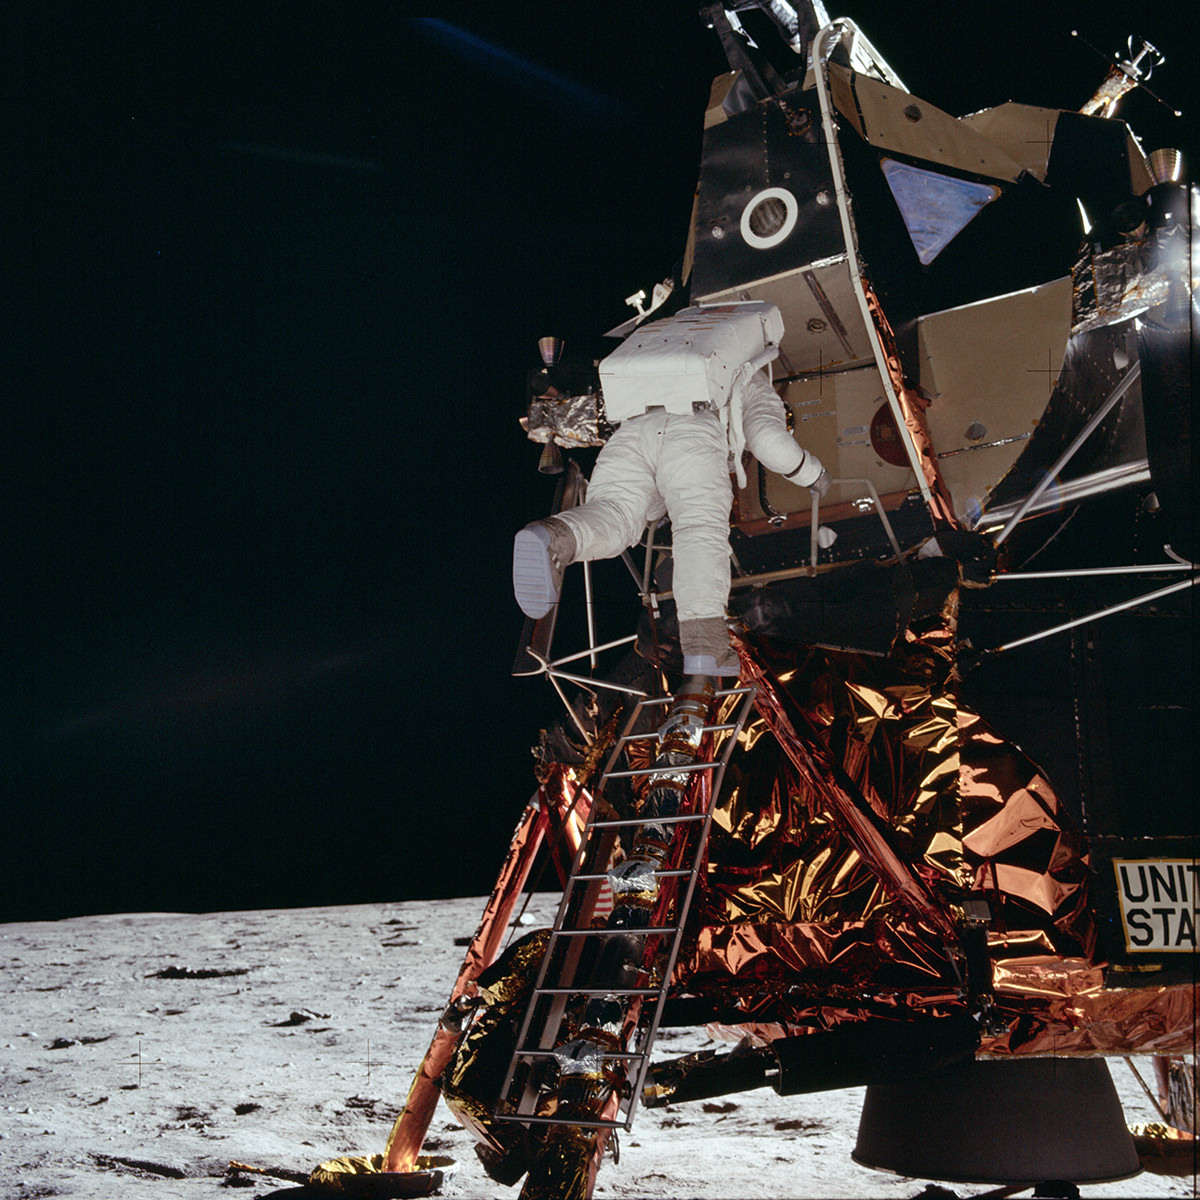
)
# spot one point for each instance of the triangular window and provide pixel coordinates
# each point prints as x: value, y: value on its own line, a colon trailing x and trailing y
x: 935, y: 207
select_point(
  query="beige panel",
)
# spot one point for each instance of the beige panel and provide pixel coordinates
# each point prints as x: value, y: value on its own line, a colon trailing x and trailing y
x: 822, y: 322
x: 832, y: 415
x: 992, y: 365
x: 1025, y: 132
x: 841, y: 92
x: 715, y: 113
x: 895, y: 120
x: 1022, y: 131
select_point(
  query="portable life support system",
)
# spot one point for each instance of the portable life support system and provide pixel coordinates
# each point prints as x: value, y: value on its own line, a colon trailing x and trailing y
x: 700, y: 358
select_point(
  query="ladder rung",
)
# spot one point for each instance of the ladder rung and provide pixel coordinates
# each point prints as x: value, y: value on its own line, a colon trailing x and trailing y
x: 532, y: 1120
x: 627, y: 1055
x: 682, y: 769
x: 554, y: 1010
x: 596, y: 991
x: 656, y: 874
x: 612, y: 932
x: 646, y: 737
x: 659, y: 701
x: 647, y: 821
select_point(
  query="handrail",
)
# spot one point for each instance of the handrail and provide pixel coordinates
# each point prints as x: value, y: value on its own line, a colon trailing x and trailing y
x: 1118, y: 393
x: 1152, y: 569
x: 832, y: 33
x: 1096, y: 616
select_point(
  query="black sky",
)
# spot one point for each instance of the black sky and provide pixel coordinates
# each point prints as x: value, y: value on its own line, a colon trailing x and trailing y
x: 287, y: 266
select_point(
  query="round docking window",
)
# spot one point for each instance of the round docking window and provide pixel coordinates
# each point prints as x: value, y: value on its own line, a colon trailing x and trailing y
x: 769, y: 218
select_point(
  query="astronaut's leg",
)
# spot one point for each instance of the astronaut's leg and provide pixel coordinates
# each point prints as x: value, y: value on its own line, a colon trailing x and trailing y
x: 693, y: 477
x: 621, y: 496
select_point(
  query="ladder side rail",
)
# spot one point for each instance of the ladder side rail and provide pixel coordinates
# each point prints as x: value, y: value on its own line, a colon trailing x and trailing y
x: 549, y: 1029
x: 640, y: 1032
x: 712, y: 785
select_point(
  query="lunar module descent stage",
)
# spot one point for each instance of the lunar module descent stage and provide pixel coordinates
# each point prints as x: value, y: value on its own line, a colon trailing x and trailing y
x: 937, y: 837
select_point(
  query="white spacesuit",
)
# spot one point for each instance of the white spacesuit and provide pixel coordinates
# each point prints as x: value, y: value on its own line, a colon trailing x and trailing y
x: 689, y: 393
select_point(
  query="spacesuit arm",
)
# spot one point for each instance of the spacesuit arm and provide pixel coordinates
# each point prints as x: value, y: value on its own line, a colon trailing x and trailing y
x: 764, y: 423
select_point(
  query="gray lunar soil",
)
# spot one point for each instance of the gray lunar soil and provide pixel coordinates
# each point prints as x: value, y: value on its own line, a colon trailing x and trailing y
x: 142, y: 1054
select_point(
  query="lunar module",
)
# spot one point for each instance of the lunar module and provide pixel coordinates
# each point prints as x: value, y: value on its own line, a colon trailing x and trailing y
x: 937, y: 838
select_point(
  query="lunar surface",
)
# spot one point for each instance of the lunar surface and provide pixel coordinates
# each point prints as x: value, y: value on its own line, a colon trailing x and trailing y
x: 142, y: 1055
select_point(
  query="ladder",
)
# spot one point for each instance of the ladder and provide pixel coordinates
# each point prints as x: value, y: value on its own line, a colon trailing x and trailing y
x: 562, y: 978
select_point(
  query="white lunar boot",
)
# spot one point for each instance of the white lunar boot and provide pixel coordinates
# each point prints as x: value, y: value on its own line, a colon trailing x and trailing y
x: 542, y: 551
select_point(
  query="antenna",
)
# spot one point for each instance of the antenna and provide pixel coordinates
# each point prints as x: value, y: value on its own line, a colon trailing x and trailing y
x: 1124, y: 76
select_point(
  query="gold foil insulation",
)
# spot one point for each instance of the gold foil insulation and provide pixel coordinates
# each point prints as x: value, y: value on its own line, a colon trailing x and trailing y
x: 1060, y: 1006
x: 861, y: 808
x: 566, y: 1165
x: 1022, y: 850
x: 863, y: 813
x: 360, y: 1175
x: 836, y: 848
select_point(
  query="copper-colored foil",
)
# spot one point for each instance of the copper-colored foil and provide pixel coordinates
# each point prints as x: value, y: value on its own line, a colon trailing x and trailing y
x: 1061, y: 1006
x: 836, y: 844
x: 867, y: 956
x: 1022, y: 849
x: 565, y: 1168
x: 861, y: 808
x: 912, y: 406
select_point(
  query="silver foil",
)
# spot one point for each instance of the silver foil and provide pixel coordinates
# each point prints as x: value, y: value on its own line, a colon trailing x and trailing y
x: 571, y: 421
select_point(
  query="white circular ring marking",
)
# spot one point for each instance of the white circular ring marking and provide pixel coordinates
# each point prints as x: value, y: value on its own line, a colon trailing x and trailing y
x: 791, y: 215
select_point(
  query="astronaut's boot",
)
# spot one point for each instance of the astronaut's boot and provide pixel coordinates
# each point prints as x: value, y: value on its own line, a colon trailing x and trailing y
x: 541, y: 553
x: 706, y: 648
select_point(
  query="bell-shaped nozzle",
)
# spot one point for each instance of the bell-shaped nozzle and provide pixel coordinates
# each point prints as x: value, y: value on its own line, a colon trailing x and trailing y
x: 551, y: 461
x: 550, y: 348
x: 1165, y: 165
x: 999, y: 1121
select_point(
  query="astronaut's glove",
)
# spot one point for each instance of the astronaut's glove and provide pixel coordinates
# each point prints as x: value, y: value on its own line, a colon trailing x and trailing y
x: 821, y: 485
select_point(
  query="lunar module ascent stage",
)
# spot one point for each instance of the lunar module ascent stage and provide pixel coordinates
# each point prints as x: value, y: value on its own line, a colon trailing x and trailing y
x: 937, y: 837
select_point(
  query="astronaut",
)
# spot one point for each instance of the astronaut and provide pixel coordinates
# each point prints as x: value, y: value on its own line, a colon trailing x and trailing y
x: 689, y: 392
